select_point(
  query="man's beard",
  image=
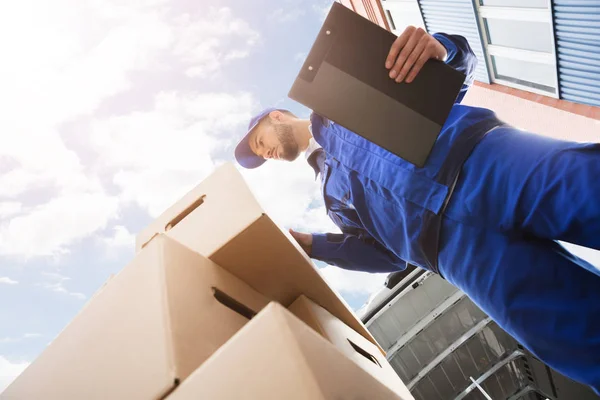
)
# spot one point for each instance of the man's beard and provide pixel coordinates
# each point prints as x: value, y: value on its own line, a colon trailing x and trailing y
x: 288, y: 143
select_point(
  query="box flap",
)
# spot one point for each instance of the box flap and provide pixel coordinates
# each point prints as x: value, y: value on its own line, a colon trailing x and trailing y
x: 302, y: 308
x: 349, y: 342
x: 208, y: 208
x: 276, y: 356
x: 273, y: 263
x: 206, y: 305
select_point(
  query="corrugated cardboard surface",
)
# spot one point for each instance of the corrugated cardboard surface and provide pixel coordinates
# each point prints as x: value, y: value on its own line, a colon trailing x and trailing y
x: 200, y: 324
x: 230, y: 228
x: 341, y: 336
x: 276, y: 356
x: 227, y: 206
x: 265, y: 258
x: 150, y: 326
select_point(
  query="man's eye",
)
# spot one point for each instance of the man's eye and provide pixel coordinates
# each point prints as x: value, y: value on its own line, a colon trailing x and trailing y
x: 260, y: 142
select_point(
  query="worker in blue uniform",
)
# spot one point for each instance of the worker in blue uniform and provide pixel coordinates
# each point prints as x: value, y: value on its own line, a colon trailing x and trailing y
x: 485, y: 212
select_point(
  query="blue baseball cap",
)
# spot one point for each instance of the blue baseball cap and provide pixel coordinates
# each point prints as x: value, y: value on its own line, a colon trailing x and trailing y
x: 243, y: 153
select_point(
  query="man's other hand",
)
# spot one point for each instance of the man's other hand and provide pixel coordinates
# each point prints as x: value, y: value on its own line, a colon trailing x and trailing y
x: 410, y: 51
x: 304, y: 240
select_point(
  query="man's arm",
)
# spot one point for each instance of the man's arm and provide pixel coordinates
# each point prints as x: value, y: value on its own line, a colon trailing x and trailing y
x: 354, y: 253
x: 460, y: 57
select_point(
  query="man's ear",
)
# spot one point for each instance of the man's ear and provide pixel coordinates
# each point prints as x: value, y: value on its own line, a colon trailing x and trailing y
x: 276, y: 115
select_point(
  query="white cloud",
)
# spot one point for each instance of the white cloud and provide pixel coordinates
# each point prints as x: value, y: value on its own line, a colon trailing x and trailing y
x: 119, y: 242
x: 300, y: 57
x: 48, y: 229
x: 7, y: 281
x: 56, y: 284
x: 205, y: 45
x: 323, y: 8
x: 121, y: 238
x: 62, y: 61
x: 353, y: 282
x: 9, y: 371
x: 161, y: 154
x: 47, y: 164
x: 290, y: 194
x: 20, y: 339
x: 82, y: 64
x: 32, y: 335
x: 116, y: 9
x: 9, y: 208
x: 289, y: 14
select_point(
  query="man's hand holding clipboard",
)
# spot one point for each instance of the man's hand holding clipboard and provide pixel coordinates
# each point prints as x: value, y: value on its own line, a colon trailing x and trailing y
x: 410, y: 52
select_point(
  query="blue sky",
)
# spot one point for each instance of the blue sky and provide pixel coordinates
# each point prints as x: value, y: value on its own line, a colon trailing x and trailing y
x: 111, y: 112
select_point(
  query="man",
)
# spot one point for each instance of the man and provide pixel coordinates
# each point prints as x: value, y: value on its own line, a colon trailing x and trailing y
x: 484, y: 212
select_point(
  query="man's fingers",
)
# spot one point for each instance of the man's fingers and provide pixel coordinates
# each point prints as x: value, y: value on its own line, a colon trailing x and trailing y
x: 425, y: 55
x: 412, y: 58
x: 397, y: 46
x: 405, y: 52
x: 302, y: 238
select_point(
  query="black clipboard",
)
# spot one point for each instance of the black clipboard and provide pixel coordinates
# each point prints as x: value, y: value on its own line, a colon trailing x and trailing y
x: 344, y: 79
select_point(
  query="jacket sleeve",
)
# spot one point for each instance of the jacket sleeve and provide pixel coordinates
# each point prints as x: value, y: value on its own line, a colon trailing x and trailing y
x: 460, y: 57
x: 354, y: 253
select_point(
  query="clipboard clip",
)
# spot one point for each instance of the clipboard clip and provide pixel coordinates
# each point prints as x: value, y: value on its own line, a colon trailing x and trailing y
x: 321, y: 47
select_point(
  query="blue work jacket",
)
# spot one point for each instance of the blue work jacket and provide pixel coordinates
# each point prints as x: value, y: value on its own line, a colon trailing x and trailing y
x: 381, y: 202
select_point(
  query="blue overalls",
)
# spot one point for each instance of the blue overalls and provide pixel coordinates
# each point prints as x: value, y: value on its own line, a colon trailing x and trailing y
x: 484, y: 213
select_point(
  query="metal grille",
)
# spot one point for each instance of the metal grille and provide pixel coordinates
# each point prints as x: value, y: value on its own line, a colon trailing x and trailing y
x: 436, y: 338
x: 506, y: 382
x: 410, y: 308
x: 472, y: 359
x: 444, y: 346
x: 577, y: 30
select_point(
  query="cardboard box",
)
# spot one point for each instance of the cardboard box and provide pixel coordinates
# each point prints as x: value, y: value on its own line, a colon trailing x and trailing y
x: 276, y: 356
x: 350, y: 343
x: 146, y: 330
x: 221, y: 219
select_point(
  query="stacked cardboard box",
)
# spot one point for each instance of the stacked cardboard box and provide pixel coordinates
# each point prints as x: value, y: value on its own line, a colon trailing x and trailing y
x: 218, y: 303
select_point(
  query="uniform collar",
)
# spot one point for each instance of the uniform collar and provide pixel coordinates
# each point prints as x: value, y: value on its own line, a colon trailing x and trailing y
x: 312, y: 145
x: 314, y: 154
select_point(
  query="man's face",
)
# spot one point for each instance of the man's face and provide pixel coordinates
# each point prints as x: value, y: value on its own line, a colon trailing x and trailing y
x: 274, y: 140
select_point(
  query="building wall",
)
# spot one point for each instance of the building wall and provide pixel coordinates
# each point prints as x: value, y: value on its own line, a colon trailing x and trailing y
x: 535, y: 117
x: 370, y: 9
